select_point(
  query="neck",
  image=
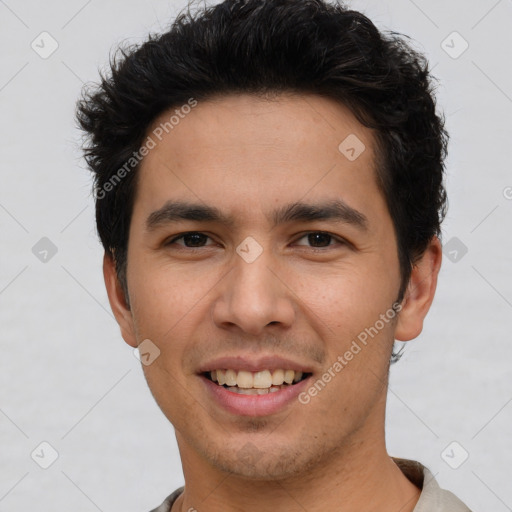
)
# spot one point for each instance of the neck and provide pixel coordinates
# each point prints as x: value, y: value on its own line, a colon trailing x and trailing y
x: 361, y: 475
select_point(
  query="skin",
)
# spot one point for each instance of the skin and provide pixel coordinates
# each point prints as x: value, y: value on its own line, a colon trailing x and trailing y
x: 247, y: 156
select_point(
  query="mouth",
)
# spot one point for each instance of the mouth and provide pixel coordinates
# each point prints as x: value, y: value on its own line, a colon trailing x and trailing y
x: 261, y: 382
x: 245, y: 385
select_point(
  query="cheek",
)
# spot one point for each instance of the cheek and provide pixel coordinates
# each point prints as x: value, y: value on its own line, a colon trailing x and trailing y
x: 345, y: 311
x: 165, y: 300
x: 169, y: 307
x: 348, y: 299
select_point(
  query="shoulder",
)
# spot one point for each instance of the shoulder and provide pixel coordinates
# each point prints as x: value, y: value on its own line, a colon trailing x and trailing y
x: 168, y: 502
x: 432, y: 498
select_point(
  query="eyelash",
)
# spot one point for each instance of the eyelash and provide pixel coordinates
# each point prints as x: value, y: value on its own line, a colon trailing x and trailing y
x: 314, y: 249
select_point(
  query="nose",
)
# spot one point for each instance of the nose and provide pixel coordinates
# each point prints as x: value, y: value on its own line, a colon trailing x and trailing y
x: 253, y: 296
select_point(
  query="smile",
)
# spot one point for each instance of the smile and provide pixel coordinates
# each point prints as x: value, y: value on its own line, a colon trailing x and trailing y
x: 260, y: 393
x: 255, y: 383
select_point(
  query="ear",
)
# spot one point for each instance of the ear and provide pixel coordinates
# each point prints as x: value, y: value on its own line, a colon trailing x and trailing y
x: 420, y: 292
x: 117, y: 301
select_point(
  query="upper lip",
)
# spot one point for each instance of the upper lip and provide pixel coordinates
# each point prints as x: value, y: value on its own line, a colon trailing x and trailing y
x: 254, y: 364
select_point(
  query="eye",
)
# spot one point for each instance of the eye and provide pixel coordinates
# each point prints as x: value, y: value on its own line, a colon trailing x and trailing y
x: 320, y: 239
x: 191, y: 240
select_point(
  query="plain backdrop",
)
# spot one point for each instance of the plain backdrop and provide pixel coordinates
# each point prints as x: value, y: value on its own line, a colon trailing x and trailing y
x: 68, y: 379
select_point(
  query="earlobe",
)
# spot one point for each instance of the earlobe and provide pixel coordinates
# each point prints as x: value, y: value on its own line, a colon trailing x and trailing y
x: 117, y: 301
x: 420, y: 292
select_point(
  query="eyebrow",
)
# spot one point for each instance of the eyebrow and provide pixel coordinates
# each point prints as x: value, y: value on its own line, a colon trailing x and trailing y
x: 335, y: 210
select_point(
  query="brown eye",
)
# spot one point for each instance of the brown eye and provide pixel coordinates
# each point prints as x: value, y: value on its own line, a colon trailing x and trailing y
x: 191, y: 240
x: 320, y: 239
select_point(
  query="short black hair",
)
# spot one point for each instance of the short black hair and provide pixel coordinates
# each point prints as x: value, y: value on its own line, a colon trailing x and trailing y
x: 264, y: 47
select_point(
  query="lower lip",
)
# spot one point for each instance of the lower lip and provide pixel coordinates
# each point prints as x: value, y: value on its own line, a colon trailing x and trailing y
x: 254, y: 405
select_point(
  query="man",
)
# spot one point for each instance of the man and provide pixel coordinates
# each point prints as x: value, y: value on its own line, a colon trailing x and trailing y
x: 269, y: 193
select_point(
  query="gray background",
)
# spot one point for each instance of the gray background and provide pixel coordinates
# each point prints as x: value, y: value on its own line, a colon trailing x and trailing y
x: 66, y: 376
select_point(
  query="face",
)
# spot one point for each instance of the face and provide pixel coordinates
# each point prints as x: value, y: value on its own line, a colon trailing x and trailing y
x: 261, y: 251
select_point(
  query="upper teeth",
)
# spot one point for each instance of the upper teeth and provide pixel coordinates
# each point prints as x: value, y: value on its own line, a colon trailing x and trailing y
x: 258, y: 380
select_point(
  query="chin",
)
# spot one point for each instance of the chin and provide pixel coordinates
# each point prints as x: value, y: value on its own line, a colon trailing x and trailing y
x: 253, y: 463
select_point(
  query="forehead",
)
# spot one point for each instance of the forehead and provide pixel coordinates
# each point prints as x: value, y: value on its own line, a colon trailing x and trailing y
x: 248, y: 154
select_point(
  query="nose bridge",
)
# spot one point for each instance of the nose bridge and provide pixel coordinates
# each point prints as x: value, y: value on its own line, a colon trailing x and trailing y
x: 252, y: 296
x: 254, y: 280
